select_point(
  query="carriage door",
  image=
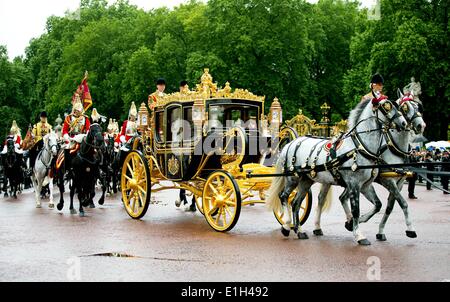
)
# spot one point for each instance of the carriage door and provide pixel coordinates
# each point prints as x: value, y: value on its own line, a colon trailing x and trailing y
x: 174, y: 142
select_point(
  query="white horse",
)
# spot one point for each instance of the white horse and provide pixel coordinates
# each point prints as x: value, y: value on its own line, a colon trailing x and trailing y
x: 308, y: 163
x: 396, y: 153
x: 42, y: 167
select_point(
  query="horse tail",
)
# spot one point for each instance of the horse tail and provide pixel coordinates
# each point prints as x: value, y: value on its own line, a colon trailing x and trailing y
x: 328, y: 198
x: 273, y: 201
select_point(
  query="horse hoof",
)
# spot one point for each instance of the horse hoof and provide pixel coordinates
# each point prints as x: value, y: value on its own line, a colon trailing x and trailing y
x: 318, y: 232
x: 192, y: 208
x: 51, y: 206
x: 73, y: 212
x: 82, y: 214
x: 349, y: 226
x: 85, y: 204
x: 302, y: 236
x: 177, y: 203
x: 363, y: 242
x: 92, y: 206
x: 101, y: 201
x: 38, y: 206
x: 411, y: 234
x: 60, y: 206
x: 381, y: 237
x: 285, y: 232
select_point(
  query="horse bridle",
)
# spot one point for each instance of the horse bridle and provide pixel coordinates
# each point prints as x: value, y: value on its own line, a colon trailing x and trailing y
x: 49, y: 150
x: 89, y: 144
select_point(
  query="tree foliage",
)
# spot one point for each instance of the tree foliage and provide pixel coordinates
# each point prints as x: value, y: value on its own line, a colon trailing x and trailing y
x: 305, y: 54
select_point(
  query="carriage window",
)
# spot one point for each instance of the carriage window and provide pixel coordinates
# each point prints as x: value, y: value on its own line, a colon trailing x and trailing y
x: 234, y: 115
x: 159, y: 122
x: 188, y: 133
x: 174, y: 125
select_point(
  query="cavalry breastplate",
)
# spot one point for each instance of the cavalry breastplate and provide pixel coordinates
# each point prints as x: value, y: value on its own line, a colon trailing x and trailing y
x: 78, y: 127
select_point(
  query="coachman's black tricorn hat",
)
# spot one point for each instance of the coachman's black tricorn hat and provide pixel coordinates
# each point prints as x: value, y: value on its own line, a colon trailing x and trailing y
x: 376, y: 79
x: 161, y: 81
x: 43, y: 114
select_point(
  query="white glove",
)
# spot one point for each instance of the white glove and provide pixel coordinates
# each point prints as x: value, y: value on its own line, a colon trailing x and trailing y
x: 66, y: 137
x: 122, y: 139
x: 116, y: 144
x: 17, y: 145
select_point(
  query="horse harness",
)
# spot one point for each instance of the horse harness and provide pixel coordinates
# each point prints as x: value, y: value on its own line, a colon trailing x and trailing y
x: 333, y: 162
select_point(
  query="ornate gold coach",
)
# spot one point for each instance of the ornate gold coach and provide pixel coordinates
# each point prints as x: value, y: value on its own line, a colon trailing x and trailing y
x: 206, y: 141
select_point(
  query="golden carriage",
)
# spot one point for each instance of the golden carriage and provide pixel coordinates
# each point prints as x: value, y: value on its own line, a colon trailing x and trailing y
x: 203, y: 141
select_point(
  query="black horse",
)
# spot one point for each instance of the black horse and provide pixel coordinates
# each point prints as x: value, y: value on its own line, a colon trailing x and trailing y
x: 83, y: 170
x: 13, y: 169
x: 109, y: 167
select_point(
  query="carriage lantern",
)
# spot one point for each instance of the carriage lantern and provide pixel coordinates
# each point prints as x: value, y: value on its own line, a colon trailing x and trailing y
x: 143, y: 118
x: 275, y: 117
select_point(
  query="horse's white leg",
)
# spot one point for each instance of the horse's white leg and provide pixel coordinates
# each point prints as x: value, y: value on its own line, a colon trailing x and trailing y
x: 290, y: 184
x: 51, y: 205
x: 343, y: 198
x: 37, y: 189
x: 354, y: 192
x: 371, y: 195
x: 393, y: 196
x: 322, y: 197
x: 302, y: 188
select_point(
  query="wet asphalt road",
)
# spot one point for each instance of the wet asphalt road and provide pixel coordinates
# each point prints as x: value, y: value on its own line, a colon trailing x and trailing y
x: 170, y: 244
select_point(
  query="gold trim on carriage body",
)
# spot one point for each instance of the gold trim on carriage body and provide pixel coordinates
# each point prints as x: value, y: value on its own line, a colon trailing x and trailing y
x: 207, y: 89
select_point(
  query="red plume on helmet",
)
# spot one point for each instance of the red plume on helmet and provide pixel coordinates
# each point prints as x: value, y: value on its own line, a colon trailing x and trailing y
x: 83, y: 93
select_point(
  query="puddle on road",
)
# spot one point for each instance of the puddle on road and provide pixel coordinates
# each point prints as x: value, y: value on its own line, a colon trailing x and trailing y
x: 124, y: 255
x: 116, y: 255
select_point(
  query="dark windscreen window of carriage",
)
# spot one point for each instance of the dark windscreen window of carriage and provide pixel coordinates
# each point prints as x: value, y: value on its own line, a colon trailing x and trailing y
x: 159, y: 121
x: 173, y: 122
x: 188, y: 132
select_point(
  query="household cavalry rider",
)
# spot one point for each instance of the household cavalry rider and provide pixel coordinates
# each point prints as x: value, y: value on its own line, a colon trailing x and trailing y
x: 41, y: 129
x: 75, y: 124
x: 111, y: 132
x: 129, y: 127
x: 14, y: 133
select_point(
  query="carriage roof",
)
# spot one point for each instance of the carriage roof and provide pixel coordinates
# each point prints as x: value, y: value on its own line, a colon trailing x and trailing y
x: 208, y: 92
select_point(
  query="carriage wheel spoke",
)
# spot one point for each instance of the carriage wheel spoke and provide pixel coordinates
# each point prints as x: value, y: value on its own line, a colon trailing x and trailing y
x: 230, y: 204
x: 224, y: 217
x: 218, y: 216
x: 213, y: 189
x: 142, y: 189
x: 211, y: 211
x: 228, y: 210
x: 228, y: 195
x: 129, y: 168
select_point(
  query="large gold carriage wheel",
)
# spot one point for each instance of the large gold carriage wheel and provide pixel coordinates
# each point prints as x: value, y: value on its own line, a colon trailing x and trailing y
x: 305, y: 209
x: 221, y: 201
x: 135, y: 184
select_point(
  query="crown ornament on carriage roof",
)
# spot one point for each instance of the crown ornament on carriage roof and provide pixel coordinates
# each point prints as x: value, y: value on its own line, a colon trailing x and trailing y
x: 207, y: 89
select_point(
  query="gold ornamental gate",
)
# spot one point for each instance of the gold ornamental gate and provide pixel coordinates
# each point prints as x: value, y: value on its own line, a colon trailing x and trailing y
x: 307, y: 126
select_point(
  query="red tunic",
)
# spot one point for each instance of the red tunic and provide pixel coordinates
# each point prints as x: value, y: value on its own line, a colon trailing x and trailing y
x: 123, y: 133
x: 80, y: 128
